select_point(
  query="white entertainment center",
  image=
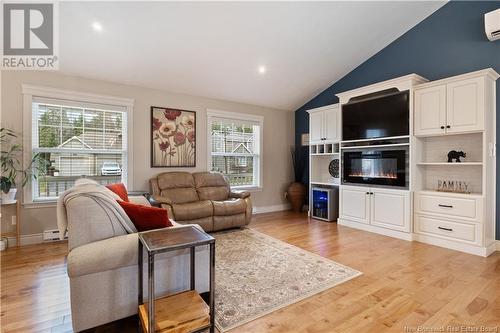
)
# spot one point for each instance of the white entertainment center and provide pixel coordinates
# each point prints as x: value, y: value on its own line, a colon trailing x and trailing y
x: 399, y: 196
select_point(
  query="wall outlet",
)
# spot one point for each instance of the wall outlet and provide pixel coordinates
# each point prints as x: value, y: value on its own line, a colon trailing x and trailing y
x: 493, y: 149
x: 14, y: 220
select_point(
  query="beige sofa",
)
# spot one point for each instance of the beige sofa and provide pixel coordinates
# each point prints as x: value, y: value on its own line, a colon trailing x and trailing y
x: 103, y: 271
x: 203, y: 198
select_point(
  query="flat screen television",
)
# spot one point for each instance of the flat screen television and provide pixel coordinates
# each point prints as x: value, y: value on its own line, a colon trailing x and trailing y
x: 380, y: 116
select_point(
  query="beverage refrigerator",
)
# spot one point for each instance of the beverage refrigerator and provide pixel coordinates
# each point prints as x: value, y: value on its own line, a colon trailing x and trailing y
x: 325, y: 203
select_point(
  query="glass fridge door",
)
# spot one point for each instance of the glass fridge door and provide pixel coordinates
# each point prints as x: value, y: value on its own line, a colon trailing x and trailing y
x: 320, y: 204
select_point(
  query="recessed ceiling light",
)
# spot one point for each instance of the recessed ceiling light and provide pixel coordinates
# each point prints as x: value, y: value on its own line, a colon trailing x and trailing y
x: 97, y: 26
x: 262, y: 69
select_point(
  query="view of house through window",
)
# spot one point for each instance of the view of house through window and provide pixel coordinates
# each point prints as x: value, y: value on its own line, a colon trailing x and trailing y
x: 77, y: 142
x: 236, y: 150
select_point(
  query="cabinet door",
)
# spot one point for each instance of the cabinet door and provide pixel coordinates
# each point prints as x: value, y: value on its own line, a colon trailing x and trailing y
x: 465, y: 107
x: 331, y: 119
x: 390, y: 209
x: 355, y: 204
x: 430, y: 110
x: 316, y: 127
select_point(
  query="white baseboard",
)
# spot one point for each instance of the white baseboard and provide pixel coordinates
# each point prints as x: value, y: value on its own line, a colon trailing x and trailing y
x: 378, y: 230
x: 270, y: 209
x: 38, y: 238
x: 457, y: 246
x: 26, y: 240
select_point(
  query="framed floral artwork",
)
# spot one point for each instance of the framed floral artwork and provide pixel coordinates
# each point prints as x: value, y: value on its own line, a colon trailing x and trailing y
x: 173, y: 138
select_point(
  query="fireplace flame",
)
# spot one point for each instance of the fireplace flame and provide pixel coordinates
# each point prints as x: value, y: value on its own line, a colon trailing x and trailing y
x: 387, y: 175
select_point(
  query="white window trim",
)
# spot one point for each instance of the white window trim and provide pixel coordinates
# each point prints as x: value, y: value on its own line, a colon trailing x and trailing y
x: 211, y: 114
x: 30, y: 91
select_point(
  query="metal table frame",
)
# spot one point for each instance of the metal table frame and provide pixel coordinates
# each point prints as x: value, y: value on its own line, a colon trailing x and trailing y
x: 151, y: 282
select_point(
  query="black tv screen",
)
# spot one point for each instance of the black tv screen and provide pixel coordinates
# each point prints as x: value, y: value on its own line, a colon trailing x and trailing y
x: 378, y: 117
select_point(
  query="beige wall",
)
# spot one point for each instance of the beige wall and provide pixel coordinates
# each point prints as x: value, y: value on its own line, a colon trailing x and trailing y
x: 278, y: 133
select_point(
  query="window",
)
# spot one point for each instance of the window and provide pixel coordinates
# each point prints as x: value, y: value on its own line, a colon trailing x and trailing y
x: 77, y: 139
x: 235, y: 147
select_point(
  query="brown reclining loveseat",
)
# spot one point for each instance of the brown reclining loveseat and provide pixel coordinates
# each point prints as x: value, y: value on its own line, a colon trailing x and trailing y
x: 203, y: 198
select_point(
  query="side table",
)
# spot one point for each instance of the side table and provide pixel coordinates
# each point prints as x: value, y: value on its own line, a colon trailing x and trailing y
x: 185, y: 311
x: 18, y: 221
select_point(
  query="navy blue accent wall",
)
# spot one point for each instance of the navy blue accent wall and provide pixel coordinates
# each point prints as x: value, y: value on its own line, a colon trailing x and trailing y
x: 451, y: 41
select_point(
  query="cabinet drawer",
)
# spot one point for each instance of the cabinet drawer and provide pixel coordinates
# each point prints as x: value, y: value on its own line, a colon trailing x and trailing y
x: 449, y: 206
x: 469, y: 233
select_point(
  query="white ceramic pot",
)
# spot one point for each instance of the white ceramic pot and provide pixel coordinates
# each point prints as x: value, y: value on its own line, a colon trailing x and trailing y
x: 9, y: 197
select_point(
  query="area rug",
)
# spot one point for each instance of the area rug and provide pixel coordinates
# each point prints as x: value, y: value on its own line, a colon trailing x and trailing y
x: 256, y: 274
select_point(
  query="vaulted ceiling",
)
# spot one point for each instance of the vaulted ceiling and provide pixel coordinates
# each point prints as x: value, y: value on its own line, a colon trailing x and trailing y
x: 274, y: 54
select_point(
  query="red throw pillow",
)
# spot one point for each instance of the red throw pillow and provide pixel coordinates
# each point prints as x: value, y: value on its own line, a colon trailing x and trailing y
x: 120, y: 190
x: 146, y: 218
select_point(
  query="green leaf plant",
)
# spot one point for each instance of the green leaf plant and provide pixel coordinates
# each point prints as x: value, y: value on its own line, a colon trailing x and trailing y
x: 11, y: 162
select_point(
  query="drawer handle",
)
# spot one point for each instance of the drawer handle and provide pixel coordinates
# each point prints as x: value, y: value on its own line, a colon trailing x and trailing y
x: 445, y: 229
x: 446, y: 206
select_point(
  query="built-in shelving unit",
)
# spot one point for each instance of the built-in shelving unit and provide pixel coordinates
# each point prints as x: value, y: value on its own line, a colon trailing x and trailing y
x: 456, y: 113
x: 321, y: 156
x: 432, y: 156
x: 377, y: 208
x: 324, y: 134
x: 452, y: 114
x: 432, y: 160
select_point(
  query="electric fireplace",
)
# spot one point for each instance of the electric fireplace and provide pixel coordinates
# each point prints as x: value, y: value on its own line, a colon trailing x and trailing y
x: 375, y: 166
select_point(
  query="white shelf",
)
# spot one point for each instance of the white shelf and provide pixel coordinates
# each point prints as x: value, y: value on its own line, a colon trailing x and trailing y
x: 450, y: 164
x: 325, y: 154
x: 378, y: 139
x: 375, y: 146
x: 325, y: 183
x: 454, y: 194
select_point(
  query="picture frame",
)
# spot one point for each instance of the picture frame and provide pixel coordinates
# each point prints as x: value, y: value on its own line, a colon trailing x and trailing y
x: 173, y: 138
x: 304, y: 139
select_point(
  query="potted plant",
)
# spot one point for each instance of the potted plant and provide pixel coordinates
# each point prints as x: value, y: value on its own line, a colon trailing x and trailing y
x: 11, y: 164
x: 296, y: 192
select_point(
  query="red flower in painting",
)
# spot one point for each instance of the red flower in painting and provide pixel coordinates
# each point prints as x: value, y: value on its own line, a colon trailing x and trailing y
x: 172, y: 114
x: 164, y: 145
x: 156, y: 124
x: 179, y: 138
x: 191, y: 136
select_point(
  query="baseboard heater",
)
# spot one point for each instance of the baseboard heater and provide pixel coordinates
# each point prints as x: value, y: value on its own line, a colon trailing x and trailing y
x: 52, y: 235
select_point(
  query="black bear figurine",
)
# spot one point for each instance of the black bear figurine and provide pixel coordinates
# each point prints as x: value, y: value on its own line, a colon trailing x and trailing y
x: 455, y: 155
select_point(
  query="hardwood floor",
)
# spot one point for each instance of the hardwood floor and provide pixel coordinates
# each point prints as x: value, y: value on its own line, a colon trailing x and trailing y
x: 404, y: 285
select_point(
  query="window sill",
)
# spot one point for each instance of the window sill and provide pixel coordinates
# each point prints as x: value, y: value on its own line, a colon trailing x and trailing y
x: 247, y: 188
x: 49, y: 203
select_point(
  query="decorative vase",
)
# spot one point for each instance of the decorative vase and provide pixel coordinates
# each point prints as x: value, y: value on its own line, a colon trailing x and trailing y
x: 296, y: 194
x: 8, y: 197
